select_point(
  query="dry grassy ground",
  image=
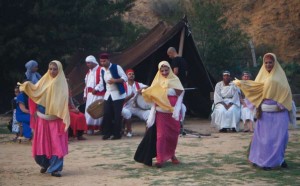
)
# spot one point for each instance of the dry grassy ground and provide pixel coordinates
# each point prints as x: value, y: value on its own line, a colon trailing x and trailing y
x: 219, y: 159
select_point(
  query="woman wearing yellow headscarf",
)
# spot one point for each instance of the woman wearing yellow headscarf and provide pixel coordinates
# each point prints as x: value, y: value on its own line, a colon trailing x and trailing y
x: 166, y: 94
x: 271, y: 94
x: 52, y: 119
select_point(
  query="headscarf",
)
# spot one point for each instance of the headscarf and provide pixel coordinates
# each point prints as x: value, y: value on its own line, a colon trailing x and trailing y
x: 158, y: 91
x: 268, y: 85
x: 32, y: 76
x: 51, y: 93
x: 91, y: 59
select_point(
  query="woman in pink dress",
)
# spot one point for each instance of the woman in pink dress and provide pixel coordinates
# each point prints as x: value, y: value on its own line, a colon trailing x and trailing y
x: 160, y: 141
x: 51, y: 112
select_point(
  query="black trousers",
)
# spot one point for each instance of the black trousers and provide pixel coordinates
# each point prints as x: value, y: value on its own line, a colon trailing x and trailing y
x: 112, y: 120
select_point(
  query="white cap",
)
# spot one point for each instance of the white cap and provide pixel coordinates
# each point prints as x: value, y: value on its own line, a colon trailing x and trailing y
x: 91, y: 59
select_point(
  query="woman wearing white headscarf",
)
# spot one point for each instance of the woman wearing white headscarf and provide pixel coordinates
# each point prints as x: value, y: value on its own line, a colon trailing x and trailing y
x: 271, y: 95
x: 160, y: 141
x: 31, y: 73
x: 50, y: 141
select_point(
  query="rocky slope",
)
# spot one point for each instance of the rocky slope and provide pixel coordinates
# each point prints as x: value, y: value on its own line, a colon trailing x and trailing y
x: 274, y: 24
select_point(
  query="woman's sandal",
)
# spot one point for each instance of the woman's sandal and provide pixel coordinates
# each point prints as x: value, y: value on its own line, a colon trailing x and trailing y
x: 175, y: 160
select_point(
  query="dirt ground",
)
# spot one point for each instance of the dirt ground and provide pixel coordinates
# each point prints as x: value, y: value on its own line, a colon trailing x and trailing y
x: 110, y: 162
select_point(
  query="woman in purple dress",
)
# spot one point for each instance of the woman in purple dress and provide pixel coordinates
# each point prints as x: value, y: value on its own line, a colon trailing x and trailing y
x: 271, y: 95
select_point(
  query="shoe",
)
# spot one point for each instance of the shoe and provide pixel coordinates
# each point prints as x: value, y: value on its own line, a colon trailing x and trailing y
x: 129, y: 134
x: 43, y: 170
x: 116, y: 137
x: 105, y: 137
x: 223, y: 130
x: 175, y: 160
x: 81, y: 138
x: 233, y: 130
x: 56, y: 174
x: 247, y: 130
x: 266, y: 168
x: 158, y: 165
x: 284, y: 164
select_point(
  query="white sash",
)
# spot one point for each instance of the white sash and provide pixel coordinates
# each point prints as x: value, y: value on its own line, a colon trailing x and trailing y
x: 269, y: 108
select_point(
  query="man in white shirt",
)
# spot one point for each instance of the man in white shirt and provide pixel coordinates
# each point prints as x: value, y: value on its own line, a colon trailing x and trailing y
x: 112, y: 78
x: 133, y: 89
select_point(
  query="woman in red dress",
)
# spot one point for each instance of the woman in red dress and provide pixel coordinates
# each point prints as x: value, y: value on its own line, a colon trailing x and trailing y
x: 78, y: 123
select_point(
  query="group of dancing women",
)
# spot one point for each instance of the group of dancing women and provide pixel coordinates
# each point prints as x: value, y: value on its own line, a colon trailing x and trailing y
x: 50, y: 116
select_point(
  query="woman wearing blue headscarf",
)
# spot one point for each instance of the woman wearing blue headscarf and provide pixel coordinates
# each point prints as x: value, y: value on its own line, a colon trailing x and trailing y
x: 31, y: 73
x: 33, y: 76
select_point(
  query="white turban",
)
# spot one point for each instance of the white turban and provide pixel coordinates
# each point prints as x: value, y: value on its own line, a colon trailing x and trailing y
x: 91, y: 59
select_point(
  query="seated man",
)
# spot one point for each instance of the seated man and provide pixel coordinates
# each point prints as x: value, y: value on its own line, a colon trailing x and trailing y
x: 132, y: 88
x: 226, y: 113
x: 247, y: 108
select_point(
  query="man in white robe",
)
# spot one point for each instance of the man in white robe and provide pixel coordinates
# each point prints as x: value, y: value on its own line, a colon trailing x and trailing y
x: 93, y: 91
x: 226, y: 108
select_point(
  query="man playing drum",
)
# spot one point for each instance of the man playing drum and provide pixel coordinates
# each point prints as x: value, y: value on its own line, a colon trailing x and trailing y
x: 131, y: 107
x: 93, y: 91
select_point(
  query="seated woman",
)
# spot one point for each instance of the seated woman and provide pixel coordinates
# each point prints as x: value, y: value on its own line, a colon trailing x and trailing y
x: 78, y: 123
x: 160, y: 141
x: 22, y: 114
x: 247, y: 108
x: 14, y: 123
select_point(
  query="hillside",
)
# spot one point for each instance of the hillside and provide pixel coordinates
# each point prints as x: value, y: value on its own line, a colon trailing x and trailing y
x: 269, y: 23
x: 276, y: 25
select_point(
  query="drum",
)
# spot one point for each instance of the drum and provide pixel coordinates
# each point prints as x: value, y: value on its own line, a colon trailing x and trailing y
x: 96, y: 109
x: 140, y: 103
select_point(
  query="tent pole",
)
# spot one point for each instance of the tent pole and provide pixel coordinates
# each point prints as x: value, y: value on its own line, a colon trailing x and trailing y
x: 181, y: 42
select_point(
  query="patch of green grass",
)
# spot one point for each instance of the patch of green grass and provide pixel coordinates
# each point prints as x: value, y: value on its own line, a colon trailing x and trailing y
x: 100, y: 165
x: 4, y: 129
x: 203, y: 169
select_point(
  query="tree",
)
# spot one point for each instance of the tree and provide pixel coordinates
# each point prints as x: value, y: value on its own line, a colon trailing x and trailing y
x: 52, y: 29
x: 220, y: 47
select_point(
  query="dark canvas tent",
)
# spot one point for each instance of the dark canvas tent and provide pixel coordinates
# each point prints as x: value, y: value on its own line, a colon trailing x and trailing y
x: 145, y: 54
